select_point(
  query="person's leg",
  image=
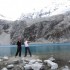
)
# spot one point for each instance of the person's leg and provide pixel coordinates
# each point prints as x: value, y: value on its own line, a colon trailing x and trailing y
x: 17, y: 52
x: 20, y: 55
x: 20, y: 52
x: 29, y: 51
x: 25, y: 51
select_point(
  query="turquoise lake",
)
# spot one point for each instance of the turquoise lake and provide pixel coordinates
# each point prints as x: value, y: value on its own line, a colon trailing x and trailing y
x: 57, y: 49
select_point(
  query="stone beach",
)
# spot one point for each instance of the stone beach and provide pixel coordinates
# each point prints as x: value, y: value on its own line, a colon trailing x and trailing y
x: 33, y: 63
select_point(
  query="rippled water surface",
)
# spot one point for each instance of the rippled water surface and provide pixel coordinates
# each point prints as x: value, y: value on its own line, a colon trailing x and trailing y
x: 61, y: 50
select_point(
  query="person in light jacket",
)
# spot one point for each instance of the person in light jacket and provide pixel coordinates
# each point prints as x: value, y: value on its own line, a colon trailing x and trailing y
x: 26, y: 44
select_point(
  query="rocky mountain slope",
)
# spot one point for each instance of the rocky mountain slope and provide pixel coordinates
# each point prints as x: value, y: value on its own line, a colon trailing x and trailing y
x: 46, y: 29
x: 4, y: 32
x: 17, y: 30
x: 53, y: 29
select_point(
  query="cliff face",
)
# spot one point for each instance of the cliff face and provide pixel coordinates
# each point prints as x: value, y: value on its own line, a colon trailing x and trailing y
x: 10, y: 30
x: 53, y: 29
x: 17, y: 30
x: 4, y: 32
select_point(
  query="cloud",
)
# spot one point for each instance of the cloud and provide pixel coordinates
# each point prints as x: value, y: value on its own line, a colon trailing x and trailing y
x: 13, y: 9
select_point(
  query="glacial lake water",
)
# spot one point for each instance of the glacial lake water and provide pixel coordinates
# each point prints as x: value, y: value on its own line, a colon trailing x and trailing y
x: 61, y: 50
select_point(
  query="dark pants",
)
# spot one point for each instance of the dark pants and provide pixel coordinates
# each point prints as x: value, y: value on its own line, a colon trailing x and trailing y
x: 18, y: 51
x: 27, y: 48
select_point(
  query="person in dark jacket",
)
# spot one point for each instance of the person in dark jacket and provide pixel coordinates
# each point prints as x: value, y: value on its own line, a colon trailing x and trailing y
x: 19, y: 48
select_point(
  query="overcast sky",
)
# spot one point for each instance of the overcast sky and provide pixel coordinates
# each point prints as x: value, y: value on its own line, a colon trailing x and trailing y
x: 12, y: 9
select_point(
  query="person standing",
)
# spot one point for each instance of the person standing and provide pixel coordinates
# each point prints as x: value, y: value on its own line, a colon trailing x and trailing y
x: 18, y: 48
x: 26, y: 44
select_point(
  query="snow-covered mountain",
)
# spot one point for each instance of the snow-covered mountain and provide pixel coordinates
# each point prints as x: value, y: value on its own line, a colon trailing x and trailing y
x: 53, y: 7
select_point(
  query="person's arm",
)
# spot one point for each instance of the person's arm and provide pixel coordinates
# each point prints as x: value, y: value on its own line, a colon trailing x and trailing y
x: 28, y: 41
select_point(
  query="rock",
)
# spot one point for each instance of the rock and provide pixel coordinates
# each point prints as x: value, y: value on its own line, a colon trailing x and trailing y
x: 38, y: 60
x: 1, y: 60
x: 21, y: 60
x: 37, y: 66
x: 42, y: 68
x: 10, y: 66
x: 5, y: 58
x: 18, y: 68
x: 33, y: 66
x: 51, y: 58
x: 32, y: 61
x: 4, y: 68
x: 16, y: 61
x: 27, y: 67
x: 51, y: 64
x: 65, y: 68
x: 69, y: 61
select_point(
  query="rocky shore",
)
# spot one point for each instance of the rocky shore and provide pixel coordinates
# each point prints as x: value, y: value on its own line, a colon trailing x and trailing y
x: 33, y: 63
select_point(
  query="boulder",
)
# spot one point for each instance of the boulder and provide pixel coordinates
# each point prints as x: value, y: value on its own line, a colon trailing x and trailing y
x: 10, y: 66
x: 4, y: 68
x: 51, y: 64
